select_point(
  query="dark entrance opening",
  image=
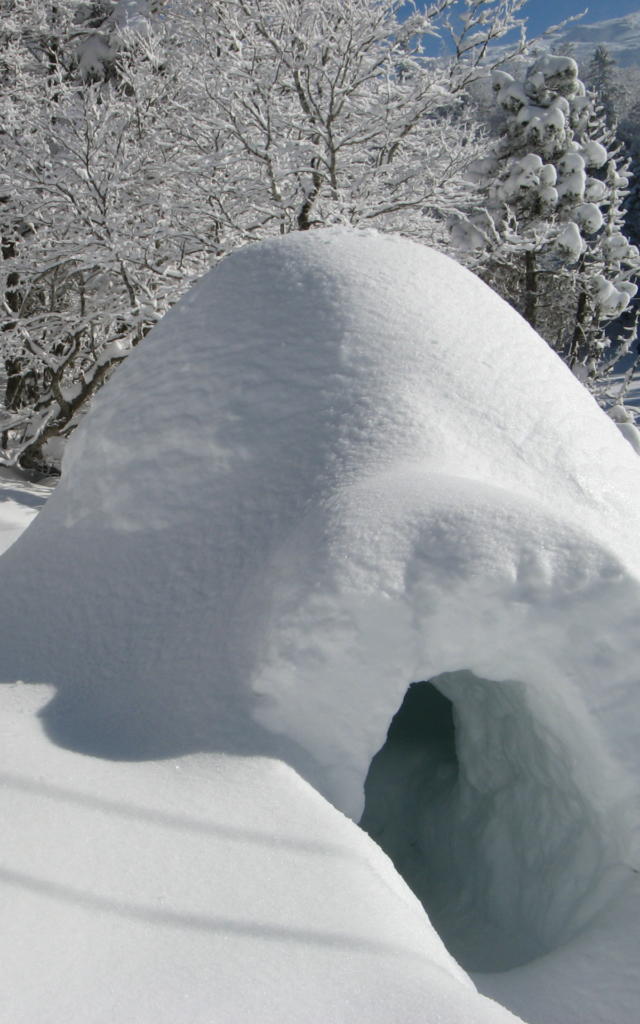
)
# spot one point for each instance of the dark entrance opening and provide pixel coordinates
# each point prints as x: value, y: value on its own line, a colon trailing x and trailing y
x: 415, y: 771
x: 410, y: 796
x: 481, y: 805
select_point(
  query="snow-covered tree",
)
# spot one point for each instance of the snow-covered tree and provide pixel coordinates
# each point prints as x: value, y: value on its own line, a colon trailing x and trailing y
x: 92, y: 253
x: 601, y: 80
x: 304, y: 114
x: 550, y: 236
x: 142, y: 142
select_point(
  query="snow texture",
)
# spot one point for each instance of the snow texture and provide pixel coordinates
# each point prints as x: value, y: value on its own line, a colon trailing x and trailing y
x: 571, y: 243
x: 338, y: 466
x: 206, y: 891
x: 20, y: 502
x: 621, y: 36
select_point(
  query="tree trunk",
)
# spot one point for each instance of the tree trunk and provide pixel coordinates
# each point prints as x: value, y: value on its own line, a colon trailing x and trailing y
x: 530, y: 312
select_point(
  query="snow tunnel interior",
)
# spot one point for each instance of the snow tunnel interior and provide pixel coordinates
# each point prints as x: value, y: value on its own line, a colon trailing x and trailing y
x: 482, y: 810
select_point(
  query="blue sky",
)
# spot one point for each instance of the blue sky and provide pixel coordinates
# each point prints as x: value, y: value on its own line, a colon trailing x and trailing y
x: 542, y: 13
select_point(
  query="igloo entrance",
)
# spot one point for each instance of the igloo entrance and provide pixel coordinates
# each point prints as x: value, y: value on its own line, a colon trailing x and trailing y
x: 480, y: 805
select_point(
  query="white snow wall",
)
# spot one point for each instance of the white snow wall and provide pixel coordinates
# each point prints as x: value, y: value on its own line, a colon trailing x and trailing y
x: 340, y: 465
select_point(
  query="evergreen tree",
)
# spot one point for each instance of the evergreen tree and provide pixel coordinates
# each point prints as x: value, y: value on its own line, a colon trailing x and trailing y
x: 550, y: 237
x: 600, y: 79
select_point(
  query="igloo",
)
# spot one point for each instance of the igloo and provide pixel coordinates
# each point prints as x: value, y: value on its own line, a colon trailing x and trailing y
x: 343, y: 535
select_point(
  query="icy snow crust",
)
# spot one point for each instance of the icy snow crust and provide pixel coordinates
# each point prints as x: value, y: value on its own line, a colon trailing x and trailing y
x: 341, y: 464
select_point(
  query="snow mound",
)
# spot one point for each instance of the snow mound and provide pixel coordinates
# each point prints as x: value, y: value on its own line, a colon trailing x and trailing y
x: 339, y: 466
x: 217, y: 892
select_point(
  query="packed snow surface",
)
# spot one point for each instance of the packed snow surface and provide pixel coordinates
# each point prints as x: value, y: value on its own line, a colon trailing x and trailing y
x: 339, y: 466
x: 212, y: 891
x: 20, y: 501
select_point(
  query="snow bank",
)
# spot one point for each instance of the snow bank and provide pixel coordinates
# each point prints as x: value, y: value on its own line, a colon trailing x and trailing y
x: 20, y: 501
x: 342, y: 465
x: 222, y: 891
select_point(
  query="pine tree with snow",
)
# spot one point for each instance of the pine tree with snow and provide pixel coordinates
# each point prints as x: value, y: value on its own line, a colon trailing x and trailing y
x: 600, y: 78
x: 550, y: 237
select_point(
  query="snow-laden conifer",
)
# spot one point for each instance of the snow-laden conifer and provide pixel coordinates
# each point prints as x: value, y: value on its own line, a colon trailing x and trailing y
x: 550, y: 235
x: 601, y: 79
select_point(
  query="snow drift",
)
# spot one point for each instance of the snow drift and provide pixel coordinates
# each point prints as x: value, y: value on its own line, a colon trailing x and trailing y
x: 340, y: 466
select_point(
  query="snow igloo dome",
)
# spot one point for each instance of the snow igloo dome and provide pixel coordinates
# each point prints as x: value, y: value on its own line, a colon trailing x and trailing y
x: 345, y: 508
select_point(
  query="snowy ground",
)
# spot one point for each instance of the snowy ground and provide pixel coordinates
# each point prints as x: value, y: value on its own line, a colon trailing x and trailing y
x: 20, y: 502
x: 211, y: 890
